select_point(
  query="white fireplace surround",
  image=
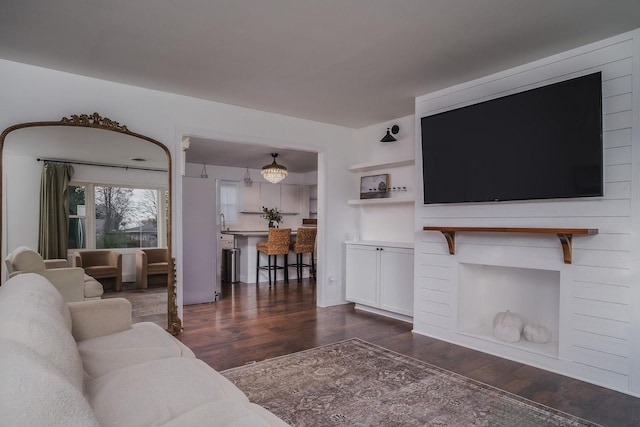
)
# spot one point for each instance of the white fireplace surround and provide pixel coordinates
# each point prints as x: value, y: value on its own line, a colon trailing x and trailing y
x: 533, y: 294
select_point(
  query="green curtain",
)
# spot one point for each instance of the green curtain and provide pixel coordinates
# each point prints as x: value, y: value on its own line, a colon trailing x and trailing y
x: 54, y: 210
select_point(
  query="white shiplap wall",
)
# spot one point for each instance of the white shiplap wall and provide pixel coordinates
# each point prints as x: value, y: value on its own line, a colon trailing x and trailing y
x: 597, y: 293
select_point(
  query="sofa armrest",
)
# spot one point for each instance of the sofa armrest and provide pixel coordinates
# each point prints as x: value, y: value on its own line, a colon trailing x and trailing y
x: 55, y: 263
x: 91, y: 319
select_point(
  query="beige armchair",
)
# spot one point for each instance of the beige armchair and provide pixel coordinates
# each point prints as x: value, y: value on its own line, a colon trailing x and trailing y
x: 151, y: 264
x: 101, y: 265
x: 71, y: 282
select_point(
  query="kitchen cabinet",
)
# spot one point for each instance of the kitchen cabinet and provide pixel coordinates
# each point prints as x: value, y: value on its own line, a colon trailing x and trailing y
x: 251, y: 198
x: 290, y: 198
x: 286, y: 197
x: 380, y: 276
x: 270, y: 196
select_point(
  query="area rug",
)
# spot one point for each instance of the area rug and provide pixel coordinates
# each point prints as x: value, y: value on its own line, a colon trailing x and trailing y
x: 356, y: 383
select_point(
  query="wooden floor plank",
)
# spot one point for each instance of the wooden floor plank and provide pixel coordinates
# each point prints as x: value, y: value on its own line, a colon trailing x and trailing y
x: 254, y: 322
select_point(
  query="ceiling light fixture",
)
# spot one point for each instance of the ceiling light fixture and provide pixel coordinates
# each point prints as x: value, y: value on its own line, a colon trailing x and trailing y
x: 388, y: 137
x: 274, y: 172
x: 247, y: 178
x: 204, y: 174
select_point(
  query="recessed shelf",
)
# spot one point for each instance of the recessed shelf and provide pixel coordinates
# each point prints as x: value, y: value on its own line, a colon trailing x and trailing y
x: 382, y: 201
x: 564, y: 234
x: 364, y: 167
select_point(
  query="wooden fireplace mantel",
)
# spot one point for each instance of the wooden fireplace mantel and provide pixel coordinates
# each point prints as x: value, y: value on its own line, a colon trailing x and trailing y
x: 564, y: 234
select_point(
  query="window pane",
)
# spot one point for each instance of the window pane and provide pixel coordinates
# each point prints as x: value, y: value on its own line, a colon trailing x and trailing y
x: 126, y: 217
x: 76, y: 200
x: 77, y: 227
x: 229, y: 200
x: 77, y: 223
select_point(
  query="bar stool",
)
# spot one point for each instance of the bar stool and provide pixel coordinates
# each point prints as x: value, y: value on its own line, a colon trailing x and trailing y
x: 276, y: 244
x: 305, y: 243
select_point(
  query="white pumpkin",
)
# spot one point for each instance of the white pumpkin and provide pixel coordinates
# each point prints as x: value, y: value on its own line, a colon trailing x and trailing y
x: 507, y: 326
x: 537, y: 333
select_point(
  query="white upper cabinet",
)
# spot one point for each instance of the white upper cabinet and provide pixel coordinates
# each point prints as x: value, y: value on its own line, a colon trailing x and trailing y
x: 286, y: 197
x: 251, y: 198
x: 290, y: 198
x: 269, y: 196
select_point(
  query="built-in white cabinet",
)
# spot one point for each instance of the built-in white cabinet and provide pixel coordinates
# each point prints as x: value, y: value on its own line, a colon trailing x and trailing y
x: 380, y: 276
x: 290, y: 198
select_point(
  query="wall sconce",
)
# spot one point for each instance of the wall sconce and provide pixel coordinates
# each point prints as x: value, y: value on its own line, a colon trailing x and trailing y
x: 388, y: 137
x: 204, y: 174
x: 247, y: 178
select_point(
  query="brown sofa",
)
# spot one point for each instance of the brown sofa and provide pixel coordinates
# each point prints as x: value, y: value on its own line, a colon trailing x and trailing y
x: 101, y: 264
x: 152, y: 264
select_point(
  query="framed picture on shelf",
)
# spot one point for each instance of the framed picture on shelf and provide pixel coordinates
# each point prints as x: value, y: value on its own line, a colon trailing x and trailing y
x: 374, y: 186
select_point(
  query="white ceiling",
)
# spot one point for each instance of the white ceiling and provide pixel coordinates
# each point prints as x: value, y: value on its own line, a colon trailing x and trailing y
x: 350, y: 63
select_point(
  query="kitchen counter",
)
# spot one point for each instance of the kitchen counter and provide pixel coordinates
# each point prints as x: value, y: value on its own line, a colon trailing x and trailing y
x: 246, y: 241
x: 252, y: 233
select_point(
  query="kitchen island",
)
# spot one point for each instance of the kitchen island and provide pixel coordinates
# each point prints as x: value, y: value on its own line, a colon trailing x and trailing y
x: 246, y: 241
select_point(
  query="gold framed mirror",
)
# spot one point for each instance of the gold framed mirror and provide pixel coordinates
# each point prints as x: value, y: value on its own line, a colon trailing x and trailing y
x: 103, y: 143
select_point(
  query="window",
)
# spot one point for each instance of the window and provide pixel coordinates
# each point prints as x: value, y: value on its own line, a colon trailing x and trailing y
x: 229, y: 199
x: 108, y: 217
x: 77, y: 217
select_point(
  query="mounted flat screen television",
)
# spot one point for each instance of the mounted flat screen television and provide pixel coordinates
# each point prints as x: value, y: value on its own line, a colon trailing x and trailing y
x: 544, y: 143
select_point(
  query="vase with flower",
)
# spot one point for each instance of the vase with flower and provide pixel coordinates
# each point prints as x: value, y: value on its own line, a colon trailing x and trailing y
x: 273, y: 215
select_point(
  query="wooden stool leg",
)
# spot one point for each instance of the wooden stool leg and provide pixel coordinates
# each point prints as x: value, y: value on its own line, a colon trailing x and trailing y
x: 286, y: 269
x: 257, y: 266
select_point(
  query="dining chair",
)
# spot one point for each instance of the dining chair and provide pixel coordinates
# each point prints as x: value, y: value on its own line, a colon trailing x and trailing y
x: 305, y: 244
x: 277, y: 244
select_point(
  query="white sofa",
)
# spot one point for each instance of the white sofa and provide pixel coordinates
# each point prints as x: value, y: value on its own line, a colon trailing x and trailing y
x: 85, y: 364
x: 71, y: 282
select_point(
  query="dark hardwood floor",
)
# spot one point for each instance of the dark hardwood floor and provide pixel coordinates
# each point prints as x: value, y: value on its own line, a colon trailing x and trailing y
x: 254, y: 322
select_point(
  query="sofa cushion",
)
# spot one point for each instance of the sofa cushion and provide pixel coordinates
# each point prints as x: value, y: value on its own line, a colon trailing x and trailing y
x: 31, y: 315
x: 143, y: 342
x: 228, y: 413
x: 158, y: 268
x: 33, y: 392
x: 101, y: 271
x: 92, y: 288
x: 165, y: 388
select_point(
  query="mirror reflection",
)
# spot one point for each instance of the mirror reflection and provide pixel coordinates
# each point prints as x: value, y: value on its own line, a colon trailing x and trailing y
x: 117, y: 198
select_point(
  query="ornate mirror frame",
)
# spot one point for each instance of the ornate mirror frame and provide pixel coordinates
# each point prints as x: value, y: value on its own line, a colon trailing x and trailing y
x: 96, y: 121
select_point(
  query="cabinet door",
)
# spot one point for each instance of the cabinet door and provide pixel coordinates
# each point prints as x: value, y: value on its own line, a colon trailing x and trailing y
x: 362, y: 275
x: 396, y: 280
x: 290, y: 198
x: 269, y: 196
x: 251, y: 198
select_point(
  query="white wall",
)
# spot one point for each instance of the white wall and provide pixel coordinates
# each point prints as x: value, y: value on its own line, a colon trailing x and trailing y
x: 32, y: 93
x: 390, y: 223
x: 600, y: 295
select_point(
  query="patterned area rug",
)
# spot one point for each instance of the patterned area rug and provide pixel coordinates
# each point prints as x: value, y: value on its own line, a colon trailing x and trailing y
x: 355, y: 383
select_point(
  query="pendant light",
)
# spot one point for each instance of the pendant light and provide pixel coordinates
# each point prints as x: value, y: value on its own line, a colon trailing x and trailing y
x: 274, y: 172
x: 204, y: 174
x: 247, y: 178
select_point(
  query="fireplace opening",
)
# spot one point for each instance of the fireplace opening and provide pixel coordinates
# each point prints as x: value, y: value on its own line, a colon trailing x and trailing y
x: 533, y: 294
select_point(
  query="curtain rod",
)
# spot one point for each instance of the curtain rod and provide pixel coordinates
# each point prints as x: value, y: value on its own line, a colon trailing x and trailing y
x: 106, y: 165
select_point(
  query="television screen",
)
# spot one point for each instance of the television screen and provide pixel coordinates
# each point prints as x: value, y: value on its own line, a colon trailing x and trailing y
x: 539, y: 144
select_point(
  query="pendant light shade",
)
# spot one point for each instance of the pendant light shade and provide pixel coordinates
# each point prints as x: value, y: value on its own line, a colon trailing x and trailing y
x: 274, y: 172
x: 204, y: 173
x: 247, y: 178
